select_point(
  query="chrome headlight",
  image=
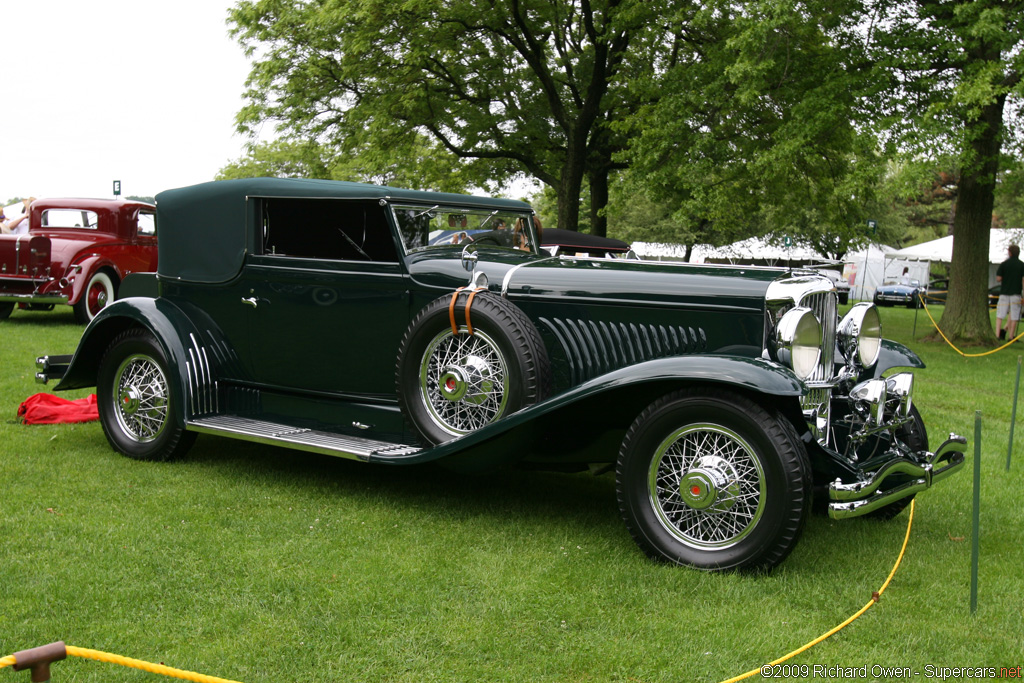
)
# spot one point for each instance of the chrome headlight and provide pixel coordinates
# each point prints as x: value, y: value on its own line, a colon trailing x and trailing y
x: 901, y: 385
x: 871, y: 397
x: 860, y: 335
x: 797, y: 341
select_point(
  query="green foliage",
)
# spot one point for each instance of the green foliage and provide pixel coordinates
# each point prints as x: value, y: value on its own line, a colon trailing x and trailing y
x: 914, y: 203
x: 1009, y: 196
x: 261, y: 564
x: 416, y: 163
x: 504, y: 89
x: 279, y: 159
x: 754, y: 131
x: 949, y: 85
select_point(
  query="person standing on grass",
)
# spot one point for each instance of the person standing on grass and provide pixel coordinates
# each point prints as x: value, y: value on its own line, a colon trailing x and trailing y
x: 1010, y: 277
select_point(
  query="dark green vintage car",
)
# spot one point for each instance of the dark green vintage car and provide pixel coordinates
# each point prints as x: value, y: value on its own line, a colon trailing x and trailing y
x: 402, y: 327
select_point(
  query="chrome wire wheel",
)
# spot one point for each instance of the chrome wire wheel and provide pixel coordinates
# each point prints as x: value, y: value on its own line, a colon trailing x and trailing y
x: 463, y: 381
x: 141, y: 394
x: 707, y: 486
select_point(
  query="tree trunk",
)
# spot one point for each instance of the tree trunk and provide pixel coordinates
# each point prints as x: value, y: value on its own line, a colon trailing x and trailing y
x: 966, y: 317
x: 598, y: 201
x: 570, y: 182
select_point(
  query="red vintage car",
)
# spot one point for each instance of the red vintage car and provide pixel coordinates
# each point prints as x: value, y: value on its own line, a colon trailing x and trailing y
x: 77, y: 252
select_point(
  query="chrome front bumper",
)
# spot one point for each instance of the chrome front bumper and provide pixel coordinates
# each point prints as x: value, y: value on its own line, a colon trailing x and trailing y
x: 862, y: 497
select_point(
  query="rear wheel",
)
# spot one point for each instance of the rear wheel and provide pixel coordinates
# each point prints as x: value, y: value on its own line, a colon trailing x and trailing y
x: 5, y: 310
x: 135, y: 394
x: 711, y: 479
x: 100, y: 291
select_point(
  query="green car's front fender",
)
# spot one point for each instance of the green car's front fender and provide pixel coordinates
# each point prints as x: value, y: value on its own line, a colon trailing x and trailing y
x: 607, y: 405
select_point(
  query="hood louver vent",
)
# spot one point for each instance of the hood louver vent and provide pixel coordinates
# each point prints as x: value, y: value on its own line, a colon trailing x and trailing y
x: 595, y: 348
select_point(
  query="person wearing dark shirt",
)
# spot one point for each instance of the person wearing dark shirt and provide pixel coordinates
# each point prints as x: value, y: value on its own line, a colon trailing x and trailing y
x: 1010, y: 276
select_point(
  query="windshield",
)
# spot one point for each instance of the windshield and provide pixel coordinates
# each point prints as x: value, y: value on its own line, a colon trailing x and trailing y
x: 427, y: 227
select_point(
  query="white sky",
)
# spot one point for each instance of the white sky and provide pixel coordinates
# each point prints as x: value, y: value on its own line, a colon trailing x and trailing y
x: 140, y: 91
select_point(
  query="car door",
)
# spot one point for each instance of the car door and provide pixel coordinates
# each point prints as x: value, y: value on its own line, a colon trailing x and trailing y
x: 328, y: 299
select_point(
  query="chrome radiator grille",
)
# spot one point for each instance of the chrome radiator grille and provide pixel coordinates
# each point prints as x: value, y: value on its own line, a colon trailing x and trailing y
x: 817, y: 293
x: 824, y: 306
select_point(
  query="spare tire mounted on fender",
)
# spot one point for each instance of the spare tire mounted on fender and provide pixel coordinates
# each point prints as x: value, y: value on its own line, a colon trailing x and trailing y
x: 467, y: 360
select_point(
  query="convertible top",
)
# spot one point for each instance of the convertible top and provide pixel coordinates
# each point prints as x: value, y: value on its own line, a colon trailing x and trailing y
x: 203, y: 230
x: 582, y: 241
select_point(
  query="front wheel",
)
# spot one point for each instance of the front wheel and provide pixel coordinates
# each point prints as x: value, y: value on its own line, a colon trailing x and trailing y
x: 5, y: 310
x: 135, y: 395
x: 98, y: 293
x: 711, y: 479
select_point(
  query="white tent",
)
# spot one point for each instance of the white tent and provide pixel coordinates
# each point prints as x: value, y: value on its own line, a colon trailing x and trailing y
x: 941, y: 250
x: 878, y: 264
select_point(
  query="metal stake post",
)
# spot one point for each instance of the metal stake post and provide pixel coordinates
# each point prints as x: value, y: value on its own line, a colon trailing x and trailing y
x: 976, y: 516
x: 1013, y: 415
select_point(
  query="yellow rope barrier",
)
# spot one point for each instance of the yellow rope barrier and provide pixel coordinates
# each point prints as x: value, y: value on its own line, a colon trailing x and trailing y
x: 162, y: 670
x: 953, y: 346
x: 840, y: 627
x: 144, y: 666
x: 159, y: 669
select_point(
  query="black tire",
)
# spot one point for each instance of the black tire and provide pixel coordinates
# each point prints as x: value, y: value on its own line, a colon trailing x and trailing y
x: 714, y: 480
x: 135, y: 396
x: 5, y: 310
x: 450, y: 385
x: 100, y: 291
x: 844, y: 298
x: 914, y: 435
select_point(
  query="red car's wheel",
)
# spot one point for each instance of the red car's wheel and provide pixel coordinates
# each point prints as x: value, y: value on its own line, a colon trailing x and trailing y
x: 98, y: 293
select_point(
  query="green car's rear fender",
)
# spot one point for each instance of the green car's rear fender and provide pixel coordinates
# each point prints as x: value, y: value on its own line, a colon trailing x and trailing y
x: 168, y: 325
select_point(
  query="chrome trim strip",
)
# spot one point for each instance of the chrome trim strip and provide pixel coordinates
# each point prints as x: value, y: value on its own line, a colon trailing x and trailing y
x: 326, y: 443
x: 507, y: 280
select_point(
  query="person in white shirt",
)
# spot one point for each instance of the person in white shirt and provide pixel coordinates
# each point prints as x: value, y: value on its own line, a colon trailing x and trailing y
x: 15, y: 226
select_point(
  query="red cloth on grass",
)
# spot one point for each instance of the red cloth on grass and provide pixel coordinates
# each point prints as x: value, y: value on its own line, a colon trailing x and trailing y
x: 47, y: 409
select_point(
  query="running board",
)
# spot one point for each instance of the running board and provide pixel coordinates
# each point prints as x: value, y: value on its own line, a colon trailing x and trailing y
x: 327, y: 443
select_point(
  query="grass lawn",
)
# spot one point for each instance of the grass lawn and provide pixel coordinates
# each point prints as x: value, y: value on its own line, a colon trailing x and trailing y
x: 261, y: 564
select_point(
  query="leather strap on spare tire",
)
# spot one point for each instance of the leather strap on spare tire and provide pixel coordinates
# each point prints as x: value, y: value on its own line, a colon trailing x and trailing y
x: 455, y: 376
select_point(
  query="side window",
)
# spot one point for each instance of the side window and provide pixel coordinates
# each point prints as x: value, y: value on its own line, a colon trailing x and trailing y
x: 69, y: 218
x: 147, y: 224
x: 334, y: 229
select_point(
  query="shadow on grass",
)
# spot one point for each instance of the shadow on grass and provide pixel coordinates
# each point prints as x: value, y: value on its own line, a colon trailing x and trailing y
x: 580, y: 497
x: 516, y: 497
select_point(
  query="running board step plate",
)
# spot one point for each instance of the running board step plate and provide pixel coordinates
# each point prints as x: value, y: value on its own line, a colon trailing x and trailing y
x: 275, y: 434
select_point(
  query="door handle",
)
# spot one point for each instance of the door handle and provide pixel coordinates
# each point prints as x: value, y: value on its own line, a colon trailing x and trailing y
x: 250, y: 300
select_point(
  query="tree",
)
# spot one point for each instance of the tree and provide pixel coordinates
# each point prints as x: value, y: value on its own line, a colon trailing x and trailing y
x: 1009, y: 199
x: 947, y: 71
x: 506, y: 87
x: 755, y: 131
x: 281, y: 159
x: 422, y: 165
